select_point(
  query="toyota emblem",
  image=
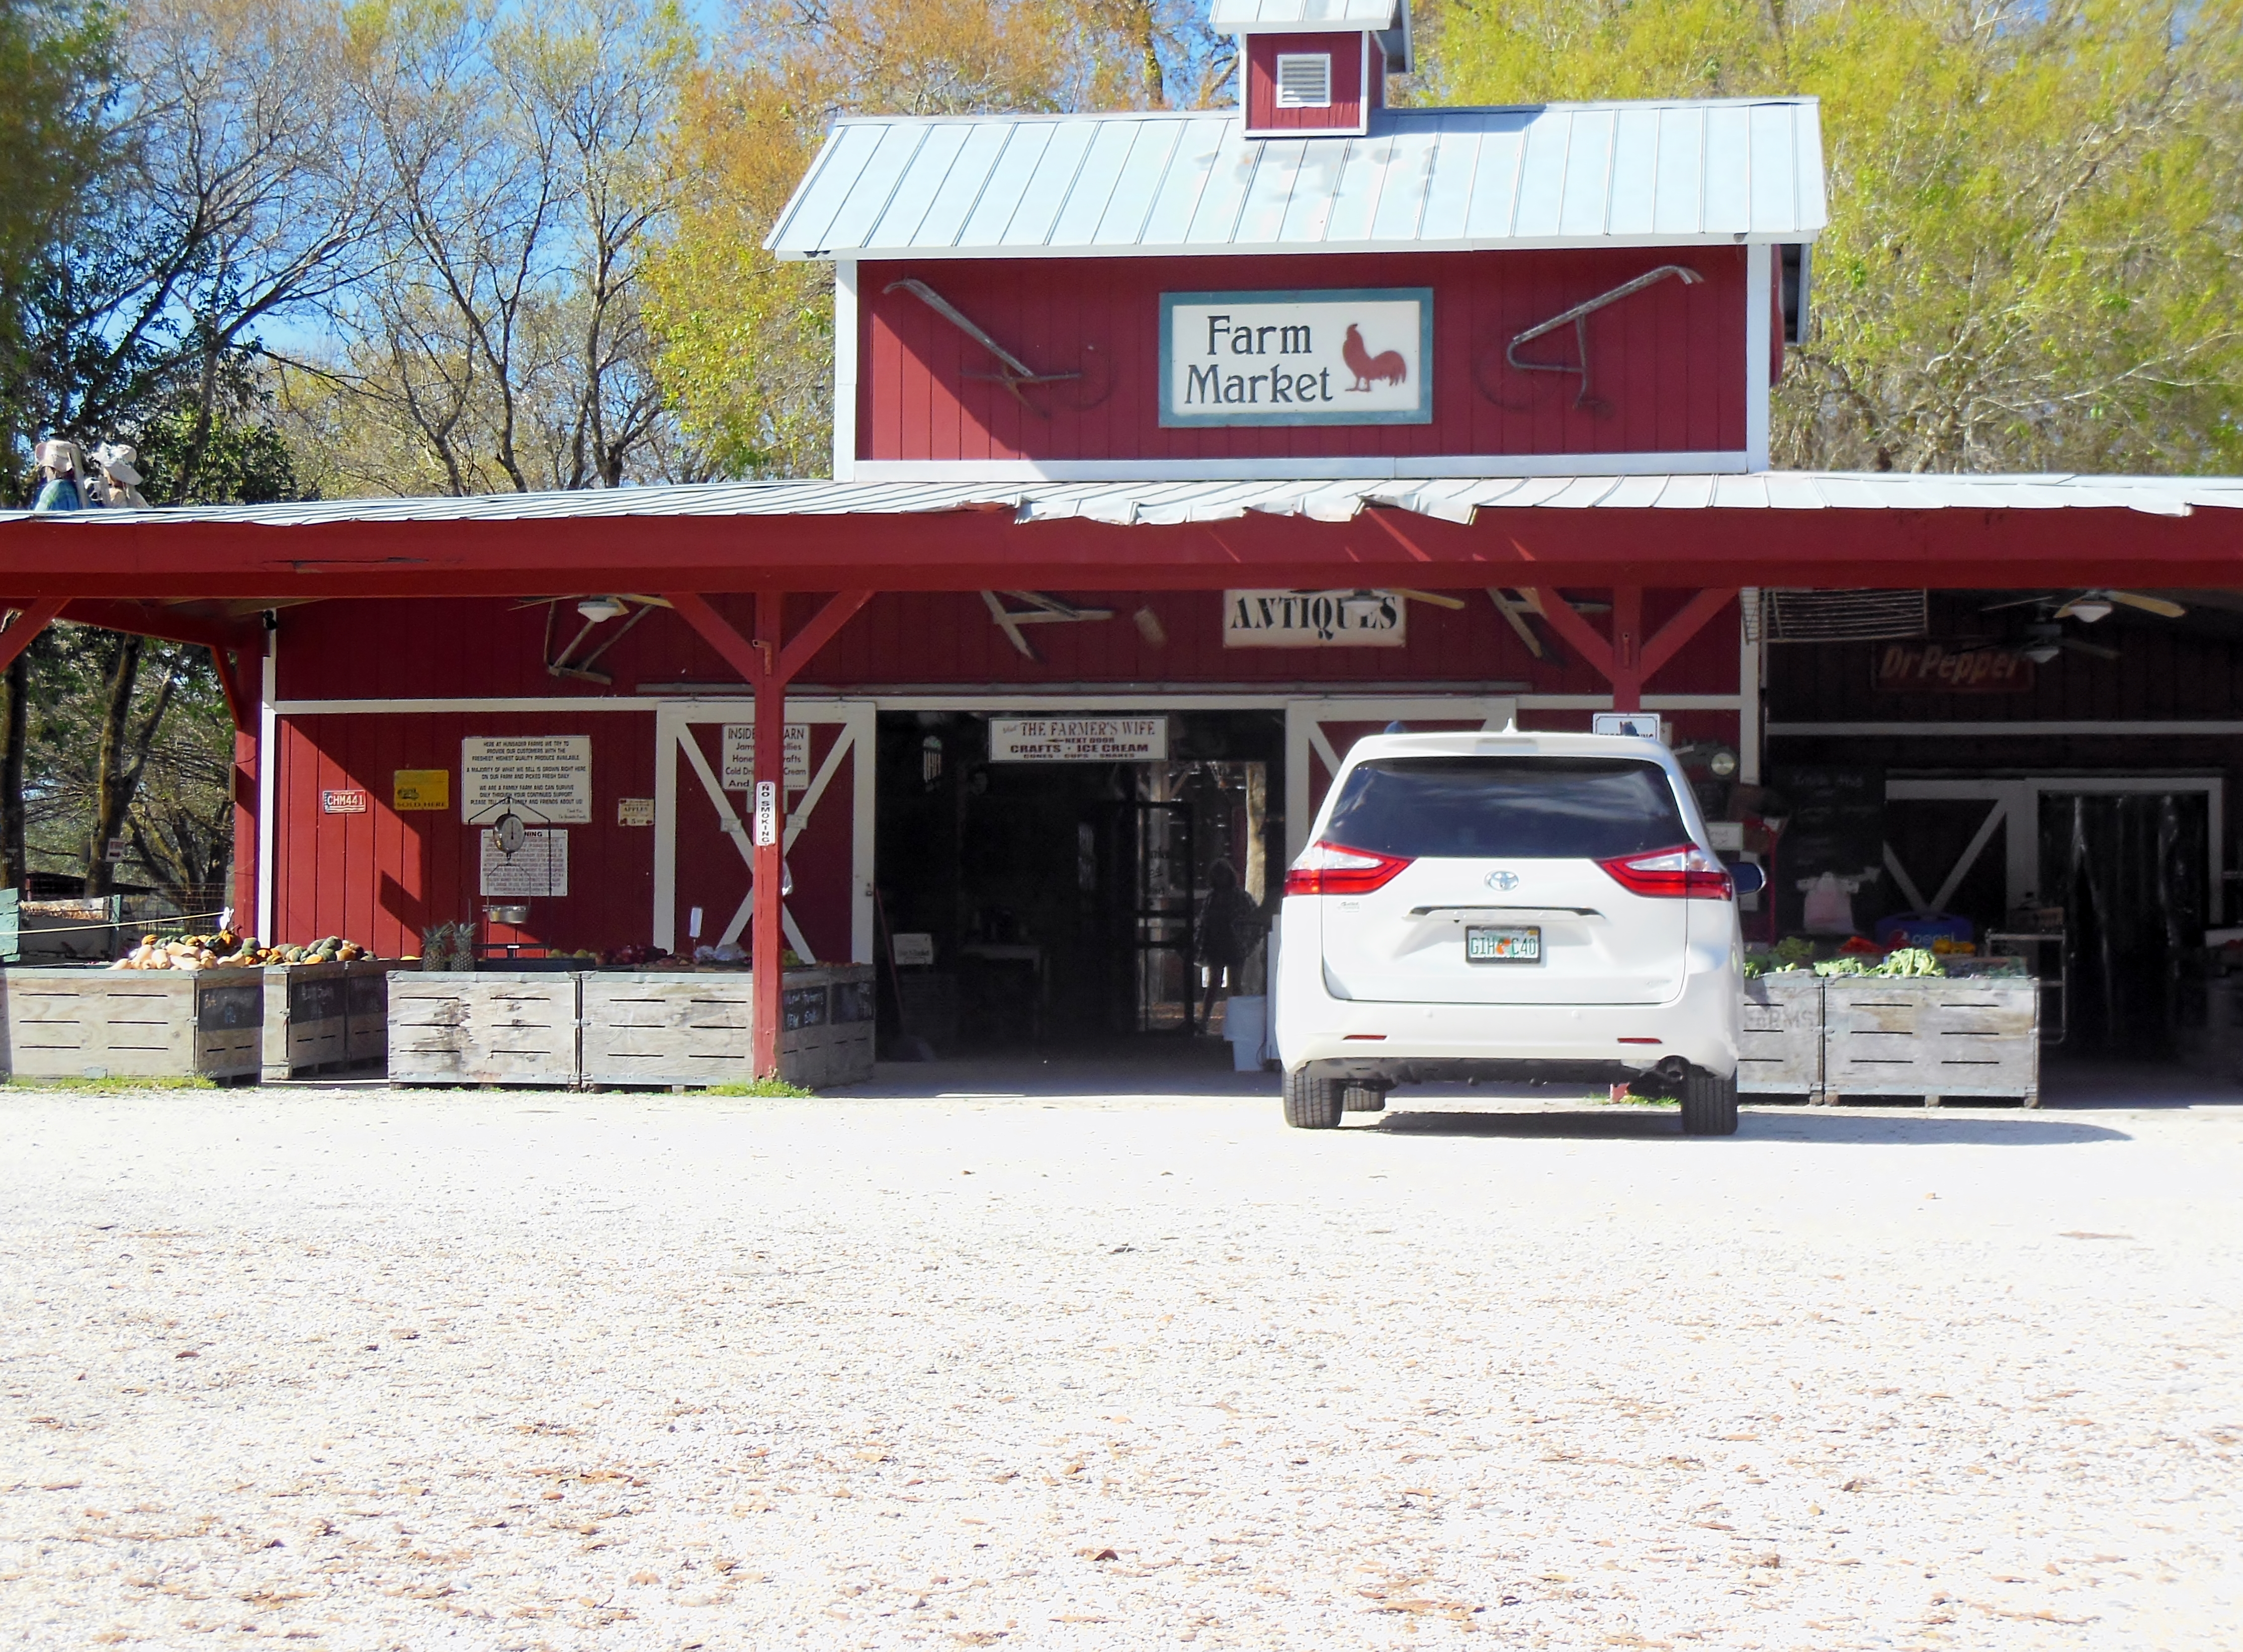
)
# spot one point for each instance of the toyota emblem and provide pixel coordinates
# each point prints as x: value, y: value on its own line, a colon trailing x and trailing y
x: 1503, y: 880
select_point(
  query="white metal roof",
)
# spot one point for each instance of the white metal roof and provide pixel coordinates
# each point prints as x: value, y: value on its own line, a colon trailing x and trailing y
x: 1456, y: 500
x: 1656, y: 174
x: 1243, y: 16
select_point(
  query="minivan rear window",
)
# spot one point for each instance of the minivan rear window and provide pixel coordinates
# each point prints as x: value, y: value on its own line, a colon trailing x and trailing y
x: 1515, y: 807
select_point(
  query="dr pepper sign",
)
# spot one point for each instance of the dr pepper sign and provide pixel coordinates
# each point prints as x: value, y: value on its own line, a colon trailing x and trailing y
x: 1341, y: 356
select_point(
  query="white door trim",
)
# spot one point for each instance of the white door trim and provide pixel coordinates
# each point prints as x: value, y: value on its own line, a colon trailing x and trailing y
x: 674, y: 723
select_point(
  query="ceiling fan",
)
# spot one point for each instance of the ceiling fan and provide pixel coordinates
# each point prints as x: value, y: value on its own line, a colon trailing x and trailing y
x: 2090, y: 606
x: 2044, y: 639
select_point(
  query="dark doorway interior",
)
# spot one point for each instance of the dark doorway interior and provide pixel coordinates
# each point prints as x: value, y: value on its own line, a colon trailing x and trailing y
x: 2129, y: 870
x: 1058, y: 902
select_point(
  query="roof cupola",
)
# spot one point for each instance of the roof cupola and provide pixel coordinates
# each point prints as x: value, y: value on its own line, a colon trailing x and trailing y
x: 1314, y: 67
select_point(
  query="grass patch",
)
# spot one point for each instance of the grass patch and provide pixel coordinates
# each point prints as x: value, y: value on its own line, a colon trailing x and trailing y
x: 76, y: 1081
x: 777, y: 1089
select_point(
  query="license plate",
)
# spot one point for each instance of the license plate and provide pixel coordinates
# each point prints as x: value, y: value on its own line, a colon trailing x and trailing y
x: 1489, y: 945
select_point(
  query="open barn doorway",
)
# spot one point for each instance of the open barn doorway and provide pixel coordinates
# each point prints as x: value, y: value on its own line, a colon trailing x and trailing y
x: 1046, y: 900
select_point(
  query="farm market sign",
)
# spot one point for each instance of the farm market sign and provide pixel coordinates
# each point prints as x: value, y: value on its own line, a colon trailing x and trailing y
x: 1342, y: 357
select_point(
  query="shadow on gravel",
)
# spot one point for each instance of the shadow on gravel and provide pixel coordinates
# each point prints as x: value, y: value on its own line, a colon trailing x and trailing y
x: 1930, y: 1129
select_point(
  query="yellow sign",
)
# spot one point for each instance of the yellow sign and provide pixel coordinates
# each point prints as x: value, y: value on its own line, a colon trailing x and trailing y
x: 421, y: 788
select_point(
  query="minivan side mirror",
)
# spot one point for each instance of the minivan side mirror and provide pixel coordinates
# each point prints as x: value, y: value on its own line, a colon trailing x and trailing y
x: 1750, y: 879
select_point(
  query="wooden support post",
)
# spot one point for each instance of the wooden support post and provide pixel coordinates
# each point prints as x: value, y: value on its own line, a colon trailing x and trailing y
x: 1628, y: 673
x: 234, y: 666
x: 768, y: 662
x: 768, y: 824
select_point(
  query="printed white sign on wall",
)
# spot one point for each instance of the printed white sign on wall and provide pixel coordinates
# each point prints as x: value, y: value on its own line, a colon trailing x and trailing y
x: 1320, y: 358
x: 739, y: 772
x: 539, y: 867
x: 1315, y: 620
x: 1078, y: 740
x: 546, y: 779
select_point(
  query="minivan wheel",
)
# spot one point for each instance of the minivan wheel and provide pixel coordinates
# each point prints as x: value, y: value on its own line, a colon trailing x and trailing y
x: 1362, y: 1099
x: 1709, y: 1104
x: 1311, y: 1102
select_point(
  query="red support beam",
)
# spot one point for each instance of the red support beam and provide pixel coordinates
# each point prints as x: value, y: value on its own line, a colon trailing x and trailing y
x: 768, y: 661
x: 1626, y: 660
x: 24, y: 628
x: 979, y: 548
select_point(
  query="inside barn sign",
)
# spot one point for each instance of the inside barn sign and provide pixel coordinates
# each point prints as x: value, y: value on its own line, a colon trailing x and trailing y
x: 1341, y: 356
x: 1926, y: 667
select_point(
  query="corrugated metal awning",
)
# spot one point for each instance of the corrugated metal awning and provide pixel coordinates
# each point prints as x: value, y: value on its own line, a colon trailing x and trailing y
x: 1660, y: 174
x: 1454, y: 499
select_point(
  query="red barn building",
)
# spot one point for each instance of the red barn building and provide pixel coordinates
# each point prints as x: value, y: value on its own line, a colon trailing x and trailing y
x: 1172, y: 450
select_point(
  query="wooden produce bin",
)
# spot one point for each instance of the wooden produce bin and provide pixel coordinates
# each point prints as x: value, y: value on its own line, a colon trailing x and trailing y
x: 698, y: 1027
x: 365, y: 1008
x: 1780, y: 1035
x: 321, y: 1016
x: 65, y: 1023
x: 484, y: 1027
x: 303, y: 1017
x: 1931, y: 1037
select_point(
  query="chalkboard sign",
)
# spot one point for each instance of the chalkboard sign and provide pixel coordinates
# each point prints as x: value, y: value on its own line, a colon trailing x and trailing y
x: 1837, y: 825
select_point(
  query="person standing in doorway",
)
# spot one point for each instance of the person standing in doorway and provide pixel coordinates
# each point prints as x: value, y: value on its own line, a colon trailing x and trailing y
x: 1229, y: 923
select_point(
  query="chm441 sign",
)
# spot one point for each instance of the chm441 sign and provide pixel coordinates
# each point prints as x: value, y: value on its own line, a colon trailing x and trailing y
x: 1360, y: 357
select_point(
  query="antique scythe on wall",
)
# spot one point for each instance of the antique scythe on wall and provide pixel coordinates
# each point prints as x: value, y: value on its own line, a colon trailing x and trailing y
x: 1578, y: 318
x: 1013, y: 373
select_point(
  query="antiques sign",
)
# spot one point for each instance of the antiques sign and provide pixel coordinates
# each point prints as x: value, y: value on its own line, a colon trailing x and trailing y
x: 547, y: 779
x: 1361, y: 357
x: 1314, y: 620
x: 1926, y: 667
x: 1078, y: 740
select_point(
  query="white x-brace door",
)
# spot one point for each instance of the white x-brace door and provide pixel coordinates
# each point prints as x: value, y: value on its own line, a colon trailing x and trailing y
x: 809, y: 809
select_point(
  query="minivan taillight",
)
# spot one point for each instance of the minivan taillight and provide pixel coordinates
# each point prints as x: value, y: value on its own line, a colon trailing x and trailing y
x: 1333, y: 868
x: 1686, y: 871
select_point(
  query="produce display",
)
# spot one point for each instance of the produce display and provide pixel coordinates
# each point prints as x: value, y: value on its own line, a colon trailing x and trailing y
x: 1794, y: 955
x: 227, y: 950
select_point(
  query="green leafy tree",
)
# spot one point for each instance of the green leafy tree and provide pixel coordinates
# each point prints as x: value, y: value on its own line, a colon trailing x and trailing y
x: 2034, y: 261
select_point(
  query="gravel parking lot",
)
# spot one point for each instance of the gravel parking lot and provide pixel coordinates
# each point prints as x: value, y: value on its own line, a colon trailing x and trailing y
x: 1022, y: 1368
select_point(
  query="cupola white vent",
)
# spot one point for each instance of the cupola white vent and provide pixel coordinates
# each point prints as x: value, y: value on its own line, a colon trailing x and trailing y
x: 1305, y: 80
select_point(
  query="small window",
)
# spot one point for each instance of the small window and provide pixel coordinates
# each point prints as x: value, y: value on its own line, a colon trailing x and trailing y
x: 1304, y: 80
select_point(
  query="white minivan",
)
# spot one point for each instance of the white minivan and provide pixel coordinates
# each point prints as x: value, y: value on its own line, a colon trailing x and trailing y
x: 1509, y: 906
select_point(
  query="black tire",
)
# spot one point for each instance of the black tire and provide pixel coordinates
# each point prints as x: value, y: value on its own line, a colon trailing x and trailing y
x: 1311, y: 1102
x: 1709, y: 1104
x: 1362, y: 1099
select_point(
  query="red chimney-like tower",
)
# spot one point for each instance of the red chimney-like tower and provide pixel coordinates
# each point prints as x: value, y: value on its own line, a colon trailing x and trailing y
x: 1315, y: 66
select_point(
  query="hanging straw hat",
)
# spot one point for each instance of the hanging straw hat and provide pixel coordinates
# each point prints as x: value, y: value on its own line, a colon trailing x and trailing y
x: 117, y: 459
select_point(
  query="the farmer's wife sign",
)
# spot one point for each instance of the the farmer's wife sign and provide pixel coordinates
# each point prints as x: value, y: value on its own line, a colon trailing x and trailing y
x: 1328, y: 357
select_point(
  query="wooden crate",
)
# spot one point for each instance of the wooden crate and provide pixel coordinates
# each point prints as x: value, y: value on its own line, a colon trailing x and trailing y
x: 136, y: 1023
x: 1931, y: 1037
x: 366, y: 1009
x: 658, y: 1027
x: 663, y: 1027
x: 484, y: 1027
x: 1780, y: 1035
x: 304, y: 1018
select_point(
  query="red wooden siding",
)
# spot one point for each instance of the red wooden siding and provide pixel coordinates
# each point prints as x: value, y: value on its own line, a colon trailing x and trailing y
x: 488, y: 649
x: 382, y: 878
x: 1667, y: 364
x: 1345, y: 114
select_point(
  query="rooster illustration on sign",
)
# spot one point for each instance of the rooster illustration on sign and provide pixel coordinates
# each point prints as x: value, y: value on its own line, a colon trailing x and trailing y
x: 1387, y: 365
